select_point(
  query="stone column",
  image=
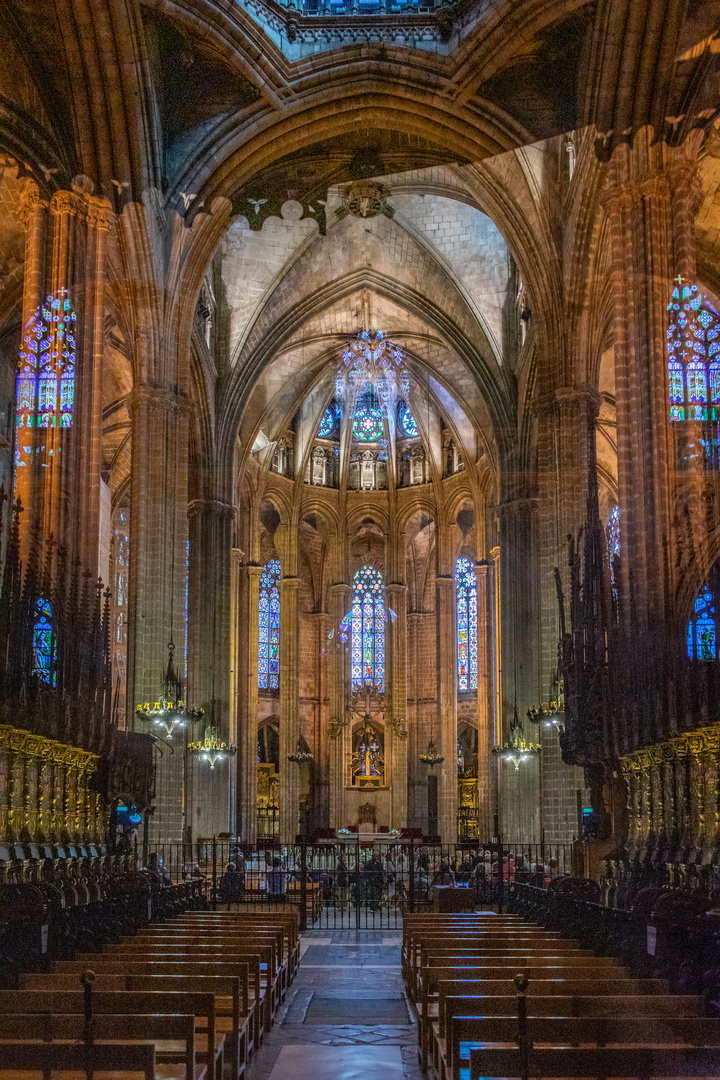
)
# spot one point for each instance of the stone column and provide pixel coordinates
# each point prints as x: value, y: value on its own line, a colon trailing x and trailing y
x: 156, y: 608
x: 237, y: 631
x: 396, y: 704
x: 519, y: 632
x: 209, y: 657
x: 245, y: 654
x: 58, y: 472
x: 447, y: 708
x: 651, y: 191
x: 338, y: 730
x: 485, y: 727
x: 289, y: 708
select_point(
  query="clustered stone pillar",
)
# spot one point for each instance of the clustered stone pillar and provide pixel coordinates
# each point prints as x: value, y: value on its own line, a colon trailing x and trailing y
x: 209, y: 658
x: 447, y: 708
x: 156, y: 610
x: 519, y: 790
x: 58, y: 473
x: 289, y: 707
x: 245, y: 654
x: 395, y: 735
x: 652, y: 189
x: 484, y: 698
x: 340, y: 738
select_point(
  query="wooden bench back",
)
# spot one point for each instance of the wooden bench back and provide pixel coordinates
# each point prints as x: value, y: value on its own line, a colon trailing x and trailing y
x: 592, y: 1061
x: 460, y: 996
x: 123, y: 1059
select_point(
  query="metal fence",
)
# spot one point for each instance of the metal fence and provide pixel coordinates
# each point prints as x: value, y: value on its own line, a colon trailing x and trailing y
x: 361, y: 884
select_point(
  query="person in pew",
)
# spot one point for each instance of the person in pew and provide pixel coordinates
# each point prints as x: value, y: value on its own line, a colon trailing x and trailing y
x: 276, y: 881
x: 155, y: 869
x: 232, y: 884
x: 373, y: 878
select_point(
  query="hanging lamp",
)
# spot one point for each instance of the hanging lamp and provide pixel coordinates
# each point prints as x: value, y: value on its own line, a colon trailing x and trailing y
x: 301, y: 756
x: 212, y: 749
x: 516, y: 750
x: 169, y: 711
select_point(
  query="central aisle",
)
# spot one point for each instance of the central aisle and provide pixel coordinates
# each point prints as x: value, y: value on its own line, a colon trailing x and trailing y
x: 346, y: 1016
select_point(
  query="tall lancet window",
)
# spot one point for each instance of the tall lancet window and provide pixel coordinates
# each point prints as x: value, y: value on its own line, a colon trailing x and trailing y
x: 368, y: 629
x: 43, y: 643
x: 46, y: 375
x: 269, y: 637
x: 613, y: 543
x: 702, y: 628
x: 693, y: 355
x: 466, y: 600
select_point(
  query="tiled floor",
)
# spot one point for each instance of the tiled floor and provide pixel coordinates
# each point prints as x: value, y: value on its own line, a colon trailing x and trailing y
x: 326, y: 1030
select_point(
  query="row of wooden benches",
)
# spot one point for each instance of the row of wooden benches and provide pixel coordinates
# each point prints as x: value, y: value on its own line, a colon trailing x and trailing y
x: 188, y: 999
x: 499, y: 997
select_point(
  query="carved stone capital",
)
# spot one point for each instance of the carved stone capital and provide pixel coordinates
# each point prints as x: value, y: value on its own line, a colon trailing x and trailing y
x: 210, y: 506
x: 30, y: 203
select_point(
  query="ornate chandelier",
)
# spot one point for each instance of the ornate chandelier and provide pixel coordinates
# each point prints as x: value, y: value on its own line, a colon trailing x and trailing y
x: 371, y: 362
x: 551, y: 714
x: 169, y: 711
x: 211, y: 749
x: 431, y: 756
x: 516, y: 750
x: 300, y: 756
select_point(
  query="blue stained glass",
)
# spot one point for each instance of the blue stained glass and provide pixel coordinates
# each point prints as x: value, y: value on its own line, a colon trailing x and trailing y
x: 367, y: 649
x: 368, y: 422
x: 407, y: 420
x: 43, y: 644
x: 466, y: 601
x: 702, y: 628
x: 45, y: 387
x: 269, y: 627
x: 693, y: 327
x: 327, y: 422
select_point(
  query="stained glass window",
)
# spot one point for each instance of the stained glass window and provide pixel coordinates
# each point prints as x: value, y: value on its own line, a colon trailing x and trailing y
x: 43, y: 646
x: 368, y: 422
x: 327, y: 422
x: 269, y: 638
x: 466, y: 600
x: 367, y: 649
x: 613, y: 543
x: 702, y: 628
x: 693, y: 341
x: 407, y: 421
x: 46, y: 375
x: 187, y: 597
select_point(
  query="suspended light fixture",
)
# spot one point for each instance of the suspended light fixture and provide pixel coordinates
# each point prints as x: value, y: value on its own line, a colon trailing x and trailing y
x: 551, y: 714
x: 300, y: 756
x: 169, y: 711
x: 431, y: 756
x: 212, y: 749
x: 516, y: 750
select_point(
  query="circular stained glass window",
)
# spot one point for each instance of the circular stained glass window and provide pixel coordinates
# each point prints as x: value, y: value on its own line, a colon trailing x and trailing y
x: 368, y: 424
x: 407, y: 420
x: 327, y: 422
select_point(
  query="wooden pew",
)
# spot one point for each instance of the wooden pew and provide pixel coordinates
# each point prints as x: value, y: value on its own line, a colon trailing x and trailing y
x: 593, y: 1061
x: 247, y: 969
x: 474, y: 983
x: 230, y: 992
x: 173, y: 1037
x: 288, y: 921
x: 64, y: 1060
x: 209, y: 1044
x: 467, y: 1031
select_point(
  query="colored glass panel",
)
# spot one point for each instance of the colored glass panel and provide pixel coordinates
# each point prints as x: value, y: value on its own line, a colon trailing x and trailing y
x: 693, y: 339
x: 327, y: 422
x: 367, y: 646
x: 702, y: 628
x: 613, y: 543
x: 269, y: 627
x: 368, y: 422
x: 43, y: 645
x: 466, y: 601
x: 45, y: 386
x: 407, y: 420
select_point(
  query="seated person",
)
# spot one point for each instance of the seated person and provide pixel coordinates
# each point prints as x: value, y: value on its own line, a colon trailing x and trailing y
x: 276, y: 880
x: 232, y: 884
